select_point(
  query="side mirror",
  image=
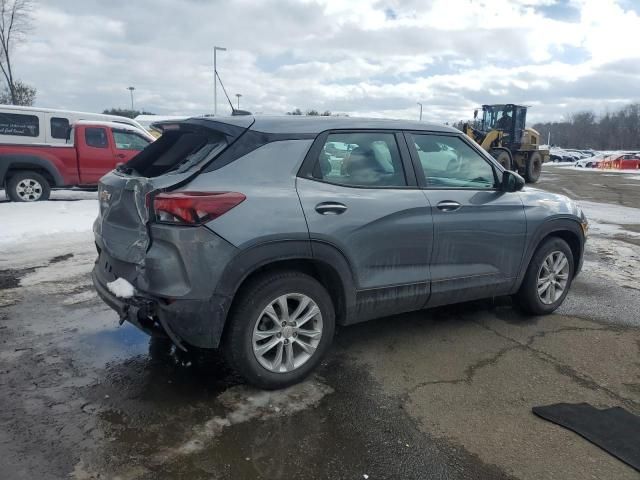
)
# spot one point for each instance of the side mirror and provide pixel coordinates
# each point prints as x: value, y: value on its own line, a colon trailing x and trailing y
x: 511, y: 181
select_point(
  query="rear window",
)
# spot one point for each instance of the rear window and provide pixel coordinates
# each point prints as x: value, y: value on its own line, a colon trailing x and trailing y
x: 59, y: 127
x: 176, y: 151
x: 364, y: 159
x: 19, y: 125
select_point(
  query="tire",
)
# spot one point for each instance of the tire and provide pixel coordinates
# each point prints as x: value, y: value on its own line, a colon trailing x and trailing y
x: 533, y: 168
x: 25, y: 186
x: 249, y: 318
x: 528, y: 297
x: 503, y: 158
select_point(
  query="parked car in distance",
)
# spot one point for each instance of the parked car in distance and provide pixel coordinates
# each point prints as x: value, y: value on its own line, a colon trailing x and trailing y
x: 591, y: 162
x: 237, y: 233
x: 625, y: 161
x: 48, y: 126
x: 29, y: 172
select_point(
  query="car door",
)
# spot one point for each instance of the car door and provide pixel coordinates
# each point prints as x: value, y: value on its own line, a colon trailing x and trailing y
x: 95, y: 153
x: 479, y: 230
x: 359, y: 198
x: 127, y: 144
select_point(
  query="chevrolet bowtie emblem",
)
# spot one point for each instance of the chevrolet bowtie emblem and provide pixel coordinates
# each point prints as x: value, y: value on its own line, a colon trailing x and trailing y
x: 105, y: 196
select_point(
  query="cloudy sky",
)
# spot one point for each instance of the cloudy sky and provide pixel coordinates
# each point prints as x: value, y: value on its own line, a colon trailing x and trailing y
x: 362, y: 57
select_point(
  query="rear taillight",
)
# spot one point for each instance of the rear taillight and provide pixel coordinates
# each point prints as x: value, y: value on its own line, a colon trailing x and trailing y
x: 194, y: 208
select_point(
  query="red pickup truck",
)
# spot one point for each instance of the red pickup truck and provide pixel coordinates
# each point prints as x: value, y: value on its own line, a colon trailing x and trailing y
x: 28, y: 172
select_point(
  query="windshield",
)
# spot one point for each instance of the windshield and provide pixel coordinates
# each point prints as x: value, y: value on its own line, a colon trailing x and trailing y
x: 496, y: 117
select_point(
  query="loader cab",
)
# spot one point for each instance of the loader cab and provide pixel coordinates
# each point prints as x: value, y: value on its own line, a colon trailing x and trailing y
x: 508, y: 118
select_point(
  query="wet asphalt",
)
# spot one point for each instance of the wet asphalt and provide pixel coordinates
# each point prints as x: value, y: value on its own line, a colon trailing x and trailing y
x: 445, y: 393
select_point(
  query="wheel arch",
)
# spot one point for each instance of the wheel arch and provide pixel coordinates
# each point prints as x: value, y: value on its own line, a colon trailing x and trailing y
x: 321, y: 261
x: 10, y: 164
x: 567, y: 229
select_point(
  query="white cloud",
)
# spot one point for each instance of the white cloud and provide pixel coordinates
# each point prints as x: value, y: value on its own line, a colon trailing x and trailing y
x: 359, y: 57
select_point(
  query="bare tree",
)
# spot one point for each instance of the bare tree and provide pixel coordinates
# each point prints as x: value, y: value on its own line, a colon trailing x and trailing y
x: 15, y: 22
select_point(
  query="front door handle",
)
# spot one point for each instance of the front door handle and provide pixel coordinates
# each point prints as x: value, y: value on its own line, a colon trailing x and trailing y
x: 331, y: 208
x: 448, y: 206
x: 120, y: 155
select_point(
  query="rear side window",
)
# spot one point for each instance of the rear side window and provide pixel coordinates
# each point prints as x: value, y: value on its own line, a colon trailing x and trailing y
x: 96, y: 137
x: 59, y: 127
x: 129, y: 140
x: 364, y: 159
x: 20, y: 125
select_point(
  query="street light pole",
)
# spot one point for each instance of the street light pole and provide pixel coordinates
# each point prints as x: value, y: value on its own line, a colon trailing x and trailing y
x: 215, y: 78
x: 238, y: 95
x: 420, y: 110
x: 131, y: 89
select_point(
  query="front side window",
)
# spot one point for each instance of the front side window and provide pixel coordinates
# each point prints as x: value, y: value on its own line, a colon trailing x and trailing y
x: 364, y: 159
x: 20, y: 125
x: 449, y: 162
x: 59, y: 127
x: 96, y: 137
x: 129, y: 140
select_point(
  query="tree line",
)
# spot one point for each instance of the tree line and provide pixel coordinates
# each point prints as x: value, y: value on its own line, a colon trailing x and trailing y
x: 619, y: 130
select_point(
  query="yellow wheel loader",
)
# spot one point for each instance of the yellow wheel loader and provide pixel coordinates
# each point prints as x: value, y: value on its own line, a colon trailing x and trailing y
x: 502, y: 132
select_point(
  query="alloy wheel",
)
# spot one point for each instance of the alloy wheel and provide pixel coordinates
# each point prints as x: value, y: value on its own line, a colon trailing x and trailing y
x: 553, y: 277
x: 29, y: 190
x: 287, y: 333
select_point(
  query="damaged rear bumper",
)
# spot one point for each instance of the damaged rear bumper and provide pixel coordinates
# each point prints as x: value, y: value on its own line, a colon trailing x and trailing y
x: 197, y: 323
x: 135, y: 310
x: 175, y: 285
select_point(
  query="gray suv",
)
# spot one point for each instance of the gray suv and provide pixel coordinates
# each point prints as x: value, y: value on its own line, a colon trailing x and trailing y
x: 259, y: 235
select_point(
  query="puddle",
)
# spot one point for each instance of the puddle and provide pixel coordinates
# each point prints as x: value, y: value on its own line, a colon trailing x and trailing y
x: 111, y: 344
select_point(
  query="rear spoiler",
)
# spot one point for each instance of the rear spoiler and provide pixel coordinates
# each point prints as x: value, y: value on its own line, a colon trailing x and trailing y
x: 229, y: 126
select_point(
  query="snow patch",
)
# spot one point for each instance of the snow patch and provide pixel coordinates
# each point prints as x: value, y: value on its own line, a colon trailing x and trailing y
x: 27, y: 221
x: 617, y: 261
x: 81, y: 297
x: 121, y: 288
x: 608, y: 214
x: 244, y: 404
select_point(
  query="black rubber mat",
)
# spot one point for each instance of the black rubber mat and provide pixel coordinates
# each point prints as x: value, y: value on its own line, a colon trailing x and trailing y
x: 613, y: 429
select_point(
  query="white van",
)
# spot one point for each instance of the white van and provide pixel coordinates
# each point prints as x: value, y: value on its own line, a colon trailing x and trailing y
x: 33, y: 125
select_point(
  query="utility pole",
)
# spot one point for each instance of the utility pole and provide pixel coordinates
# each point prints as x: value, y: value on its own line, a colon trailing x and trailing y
x: 238, y: 95
x: 215, y: 78
x: 131, y: 89
x: 420, y: 110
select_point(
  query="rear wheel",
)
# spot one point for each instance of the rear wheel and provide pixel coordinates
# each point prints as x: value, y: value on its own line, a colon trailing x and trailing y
x: 548, y: 278
x: 533, y: 167
x: 279, y: 330
x: 26, y: 186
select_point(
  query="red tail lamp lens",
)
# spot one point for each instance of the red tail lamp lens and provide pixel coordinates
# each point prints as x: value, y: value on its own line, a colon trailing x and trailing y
x: 194, y: 208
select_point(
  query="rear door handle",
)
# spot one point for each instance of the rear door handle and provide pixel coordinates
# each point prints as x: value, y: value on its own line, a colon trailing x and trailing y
x: 448, y: 206
x: 331, y: 208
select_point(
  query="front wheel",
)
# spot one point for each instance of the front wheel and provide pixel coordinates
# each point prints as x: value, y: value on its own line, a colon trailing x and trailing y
x: 27, y: 186
x: 548, y: 278
x: 533, y: 167
x: 280, y: 328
